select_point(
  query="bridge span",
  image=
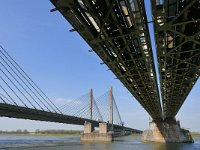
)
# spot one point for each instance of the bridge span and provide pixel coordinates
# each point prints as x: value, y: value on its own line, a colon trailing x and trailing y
x: 12, y: 111
x: 21, y: 98
x: 118, y: 32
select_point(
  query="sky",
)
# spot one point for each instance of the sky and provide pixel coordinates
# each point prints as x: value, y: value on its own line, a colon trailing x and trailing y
x: 61, y: 65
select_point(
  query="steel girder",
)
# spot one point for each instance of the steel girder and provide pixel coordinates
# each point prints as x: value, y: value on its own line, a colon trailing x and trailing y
x: 117, y: 31
x: 177, y: 33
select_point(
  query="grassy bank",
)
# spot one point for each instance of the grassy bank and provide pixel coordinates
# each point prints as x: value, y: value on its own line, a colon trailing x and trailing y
x: 195, y: 134
x: 54, y: 134
x: 136, y: 135
x: 42, y: 133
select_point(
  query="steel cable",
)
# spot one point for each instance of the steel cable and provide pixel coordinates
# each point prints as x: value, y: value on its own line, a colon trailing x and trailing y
x: 22, y: 87
x: 28, y: 79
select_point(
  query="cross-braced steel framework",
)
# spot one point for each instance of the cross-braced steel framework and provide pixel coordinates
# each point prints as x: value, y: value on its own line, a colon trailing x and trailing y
x: 117, y: 31
x: 177, y: 32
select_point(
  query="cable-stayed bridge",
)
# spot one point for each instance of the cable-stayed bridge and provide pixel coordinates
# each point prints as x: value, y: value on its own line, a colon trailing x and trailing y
x: 118, y: 32
x: 21, y: 98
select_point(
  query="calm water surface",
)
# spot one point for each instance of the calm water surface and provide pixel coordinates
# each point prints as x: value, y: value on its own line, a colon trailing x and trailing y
x: 73, y: 143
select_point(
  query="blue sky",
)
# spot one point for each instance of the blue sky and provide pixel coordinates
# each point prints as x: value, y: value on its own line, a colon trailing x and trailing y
x: 59, y: 62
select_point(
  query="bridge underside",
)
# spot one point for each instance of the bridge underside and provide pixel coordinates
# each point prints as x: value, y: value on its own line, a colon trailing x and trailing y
x: 118, y: 32
x: 177, y: 26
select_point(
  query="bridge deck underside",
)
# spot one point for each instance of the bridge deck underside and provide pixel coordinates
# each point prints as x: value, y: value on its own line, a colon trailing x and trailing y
x: 177, y: 32
x: 118, y: 32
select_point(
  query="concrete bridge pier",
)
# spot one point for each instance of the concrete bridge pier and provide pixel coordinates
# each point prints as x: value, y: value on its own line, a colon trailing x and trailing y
x: 90, y: 134
x: 167, y: 132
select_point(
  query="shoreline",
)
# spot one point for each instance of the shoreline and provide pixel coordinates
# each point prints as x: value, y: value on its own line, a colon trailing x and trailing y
x: 40, y: 135
x: 194, y: 135
x: 49, y: 134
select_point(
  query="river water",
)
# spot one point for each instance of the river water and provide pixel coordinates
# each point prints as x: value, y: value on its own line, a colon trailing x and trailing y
x: 10, y: 142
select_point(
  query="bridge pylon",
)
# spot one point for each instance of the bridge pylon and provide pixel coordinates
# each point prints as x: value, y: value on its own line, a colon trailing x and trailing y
x: 105, y: 132
x: 167, y: 131
x: 111, y: 126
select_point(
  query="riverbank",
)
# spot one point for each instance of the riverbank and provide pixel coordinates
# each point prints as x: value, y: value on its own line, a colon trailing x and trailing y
x: 195, y: 134
x: 42, y: 133
x: 76, y: 133
x: 136, y: 135
x: 51, y: 134
x: 33, y: 134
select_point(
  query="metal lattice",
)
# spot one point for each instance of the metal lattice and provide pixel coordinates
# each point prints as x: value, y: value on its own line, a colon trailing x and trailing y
x: 117, y: 31
x: 177, y: 32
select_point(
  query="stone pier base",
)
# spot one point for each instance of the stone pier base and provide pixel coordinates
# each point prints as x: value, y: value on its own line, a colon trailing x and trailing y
x: 166, y: 131
x: 102, y: 135
x: 96, y: 136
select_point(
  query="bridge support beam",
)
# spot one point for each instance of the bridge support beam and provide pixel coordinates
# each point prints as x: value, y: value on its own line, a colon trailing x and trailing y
x: 102, y: 135
x: 167, y: 132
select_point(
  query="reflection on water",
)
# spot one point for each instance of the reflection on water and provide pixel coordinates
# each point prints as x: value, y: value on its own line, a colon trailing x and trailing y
x: 73, y: 143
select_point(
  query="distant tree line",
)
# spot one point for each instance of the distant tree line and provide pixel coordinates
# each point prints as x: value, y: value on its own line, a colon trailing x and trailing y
x: 19, y: 131
x: 57, y: 131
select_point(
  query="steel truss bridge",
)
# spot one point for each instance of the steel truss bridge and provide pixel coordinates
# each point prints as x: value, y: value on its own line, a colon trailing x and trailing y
x: 117, y: 31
